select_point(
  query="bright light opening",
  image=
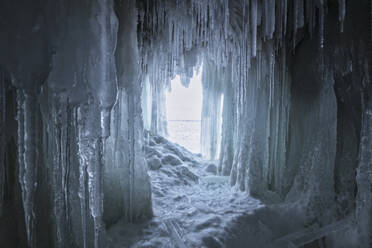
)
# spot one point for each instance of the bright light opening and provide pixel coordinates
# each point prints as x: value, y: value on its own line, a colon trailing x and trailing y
x: 184, y: 106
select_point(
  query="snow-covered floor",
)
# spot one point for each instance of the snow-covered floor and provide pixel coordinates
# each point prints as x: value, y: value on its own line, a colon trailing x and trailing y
x: 192, y: 206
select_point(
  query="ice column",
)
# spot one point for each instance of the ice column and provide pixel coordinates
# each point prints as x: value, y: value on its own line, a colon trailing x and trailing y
x: 126, y: 185
x: 28, y: 158
x: 210, y: 139
x: 341, y: 13
x: 228, y: 124
x: 364, y: 178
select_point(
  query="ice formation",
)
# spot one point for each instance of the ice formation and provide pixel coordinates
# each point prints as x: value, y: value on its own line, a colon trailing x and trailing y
x: 287, y: 84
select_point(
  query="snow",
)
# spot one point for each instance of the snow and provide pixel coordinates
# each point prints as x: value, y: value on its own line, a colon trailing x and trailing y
x: 192, y: 207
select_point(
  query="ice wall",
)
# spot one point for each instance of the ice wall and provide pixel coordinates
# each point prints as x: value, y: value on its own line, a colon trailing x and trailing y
x: 63, y: 67
x: 126, y: 186
x: 262, y: 105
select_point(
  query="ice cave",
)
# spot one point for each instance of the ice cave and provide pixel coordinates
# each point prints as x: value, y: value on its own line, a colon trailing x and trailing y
x: 283, y: 131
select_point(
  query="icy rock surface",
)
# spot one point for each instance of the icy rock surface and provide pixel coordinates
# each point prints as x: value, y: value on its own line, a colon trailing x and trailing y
x: 153, y: 163
x: 211, y: 168
x: 171, y: 160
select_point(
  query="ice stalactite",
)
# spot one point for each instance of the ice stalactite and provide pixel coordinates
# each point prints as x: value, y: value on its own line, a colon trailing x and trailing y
x: 158, y: 111
x: 126, y: 185
x: 321, y: 23
x: 364, y: 168
x: 253, y: 15
x: 228, y: 125
x: 91, y: 161
x: 370, y: 20
x: 85, y: 115
x: 212, y: 81
x: 28, y: 159
x: 341, y: 13
x: 364, y: 177
x: 125, y: 169
x: 146, y: 103
x: 259, y: 159
x: 2, y: 139
x: 58, y: 146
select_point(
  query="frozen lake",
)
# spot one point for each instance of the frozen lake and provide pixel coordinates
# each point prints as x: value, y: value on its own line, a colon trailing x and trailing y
x: 185, y: 133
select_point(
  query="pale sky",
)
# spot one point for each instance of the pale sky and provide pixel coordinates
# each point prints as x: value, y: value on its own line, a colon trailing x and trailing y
x: 185, y: 103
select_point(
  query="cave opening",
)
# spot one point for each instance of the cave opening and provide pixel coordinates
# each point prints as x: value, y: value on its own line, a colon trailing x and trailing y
x: 184, y: 110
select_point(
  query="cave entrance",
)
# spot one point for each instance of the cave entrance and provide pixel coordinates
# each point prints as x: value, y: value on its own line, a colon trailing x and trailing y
x: 183, y: 109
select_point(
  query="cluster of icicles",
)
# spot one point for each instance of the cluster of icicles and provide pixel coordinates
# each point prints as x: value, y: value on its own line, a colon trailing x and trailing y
x: 175, y: 37
x: 170, y: 32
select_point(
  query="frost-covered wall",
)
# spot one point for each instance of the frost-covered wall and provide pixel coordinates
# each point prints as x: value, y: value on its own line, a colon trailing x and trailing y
x: 262, y: 105
x: 63, y: 67
x: 127, y: 187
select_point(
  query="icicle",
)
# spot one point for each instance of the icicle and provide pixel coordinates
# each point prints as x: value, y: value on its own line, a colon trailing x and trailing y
x: 254, y: 27
x: 259, y: 13
x: 285, y: 14
x: 321, y: 24
x: 2, y: 139
x: 82, y: 175
x: 95, y: 172
x: 272, y: 18
x: 341, y: 14
x: 226, y: 18
x: 279, y: 24
x: 21, y: 148
x: 310, y: 15
x: 300, y: 14
x: 267, y: 18
x: 370, y: 18
x: 295, y: 25
x: 271, y: 75
x: 26, y: 160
